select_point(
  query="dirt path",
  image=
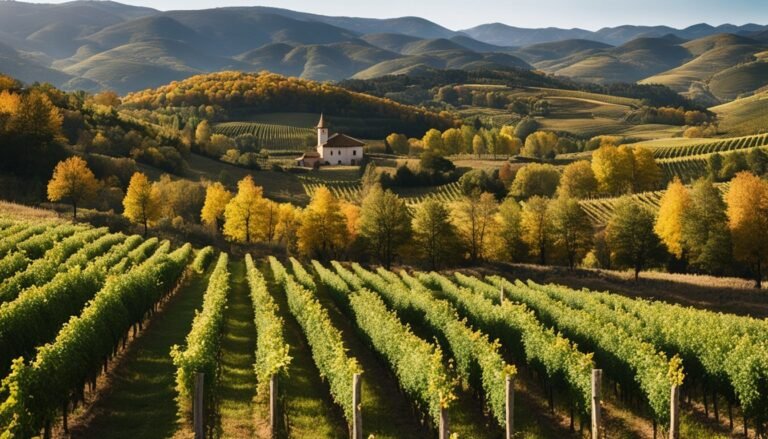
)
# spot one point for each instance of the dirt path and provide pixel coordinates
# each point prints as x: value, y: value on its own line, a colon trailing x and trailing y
x: 139, y: 401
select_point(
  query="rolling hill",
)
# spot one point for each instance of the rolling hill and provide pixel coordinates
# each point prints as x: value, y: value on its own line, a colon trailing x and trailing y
x: 108, y: 45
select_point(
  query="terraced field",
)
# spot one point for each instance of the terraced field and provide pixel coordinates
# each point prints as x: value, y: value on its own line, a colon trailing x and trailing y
x: 351, y: 191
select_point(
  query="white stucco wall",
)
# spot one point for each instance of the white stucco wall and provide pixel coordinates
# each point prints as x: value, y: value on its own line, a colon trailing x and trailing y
x: 341, y: 156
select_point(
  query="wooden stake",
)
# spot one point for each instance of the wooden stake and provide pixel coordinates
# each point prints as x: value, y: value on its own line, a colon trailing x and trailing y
x: 597, y: 378
x: 273, y: 404
x: 357, y: 415
x: 444, y: 434
x: 198, y: 406
x: 674, y: 413
x: 510, y: 406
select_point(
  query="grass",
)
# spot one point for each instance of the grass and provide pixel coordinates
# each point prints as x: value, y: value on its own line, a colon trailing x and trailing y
x: 305, y: 398
x: 140, y: 402
x: 238, y: 379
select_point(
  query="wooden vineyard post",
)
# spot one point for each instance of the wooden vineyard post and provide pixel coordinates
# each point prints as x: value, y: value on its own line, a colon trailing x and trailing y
x: 444, y: 423
x: 273, y: 404
x: 597, y: 378
x: 510, y: 406
x: 198, y: 406
x: 674, y: 413
x: 357, y: 415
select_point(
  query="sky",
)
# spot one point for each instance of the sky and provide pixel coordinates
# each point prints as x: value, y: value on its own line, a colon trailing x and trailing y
x: 462, y: 14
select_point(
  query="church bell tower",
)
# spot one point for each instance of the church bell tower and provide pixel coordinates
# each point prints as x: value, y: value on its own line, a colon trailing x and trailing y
x: 322, y: 131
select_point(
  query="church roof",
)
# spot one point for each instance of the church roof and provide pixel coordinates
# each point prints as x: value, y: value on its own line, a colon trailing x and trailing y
x: 321, y: 123
x: 339, y: 140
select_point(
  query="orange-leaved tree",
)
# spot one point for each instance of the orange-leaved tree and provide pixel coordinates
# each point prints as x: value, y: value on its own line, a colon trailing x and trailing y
x: 73, y: 181
x: 747, y: 201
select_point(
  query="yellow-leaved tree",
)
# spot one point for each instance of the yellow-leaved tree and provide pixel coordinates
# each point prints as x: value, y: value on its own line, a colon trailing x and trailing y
x: 241, y: 216
x: 747, y: 201
x: 323, y: 232
x: 73, y: 181
x: 613, y: 169
x: 669, y: 223
x: 536, y: 227
x: 142, y: 202
x: 288, y: 222
x: 216, y: 199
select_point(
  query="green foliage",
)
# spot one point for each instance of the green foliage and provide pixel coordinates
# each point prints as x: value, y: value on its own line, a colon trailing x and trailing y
x: 477, y: 359
x: 272, y: 350
x: 417, y: 364
x: 37, y: 390
x: 631, y: 237
x: 36, y: 315
x: 324, y: 339
x: 203, y: 259
x: 203, y: 342
x: 631, y: 361
x: 519, y: 331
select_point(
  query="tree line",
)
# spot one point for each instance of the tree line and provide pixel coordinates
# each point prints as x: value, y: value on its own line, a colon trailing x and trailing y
x: 696, y: 228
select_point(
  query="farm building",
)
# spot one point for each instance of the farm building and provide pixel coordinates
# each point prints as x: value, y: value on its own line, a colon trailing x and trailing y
x: 338, y: 149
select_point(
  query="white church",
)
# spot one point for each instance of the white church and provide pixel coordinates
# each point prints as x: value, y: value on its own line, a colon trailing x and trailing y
x: 338, y: 149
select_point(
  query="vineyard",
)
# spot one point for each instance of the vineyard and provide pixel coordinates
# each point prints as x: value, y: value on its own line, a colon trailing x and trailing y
x: 711, y: 146
x: 269, y: 136
x: 331, y: 348
x: 351, y: 191
x: 600, y: 210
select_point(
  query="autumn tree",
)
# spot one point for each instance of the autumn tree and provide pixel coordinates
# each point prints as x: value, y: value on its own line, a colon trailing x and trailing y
x: 323, y: 232
x: 385, y: 224
x: 705, y: 232
x: 351, y: 213
x: 572, y: 231
x: 203, y: 133
x: 216, y: 199
x: 474, y: 218
x: 747, y: 201
x: 646, y: 173
x: 268, y: 218
x: 536, y: 227
x: 540, y: 144
x: 434, y: 235
x: 478, y: 145
x: 72, y: 181
x: 509, y: 245
x: 669, y: 223
x: 142, y: 202
x: 398, y: 143
x: 535, y: 179
x: 287, y: 229
x: 613, y: 169
x: 452, y: 141
x: 241, y: 216
x: 578, y: 180
x: 630, y: 235
x: 433, y: 141
x: 511, y: 143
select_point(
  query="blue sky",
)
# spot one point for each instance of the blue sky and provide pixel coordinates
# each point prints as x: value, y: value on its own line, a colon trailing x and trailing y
x: 460, y: 14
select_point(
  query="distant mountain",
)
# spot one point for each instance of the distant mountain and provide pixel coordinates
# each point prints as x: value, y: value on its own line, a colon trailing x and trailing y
x: 504, y: 35
x: 107, y: 45
x: 729, y: 65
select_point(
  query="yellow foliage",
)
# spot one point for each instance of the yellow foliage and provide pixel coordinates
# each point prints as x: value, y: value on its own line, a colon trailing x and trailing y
x: 323, y: 231
x: 669, y: 224
x: 747, y: 201
x: 142, y: 202
x: 288, y: 222
x: 9, y: 102
x: 352, y: 214
x: 216, y: 199
x: 72, y: 180
x: 241, y: 216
